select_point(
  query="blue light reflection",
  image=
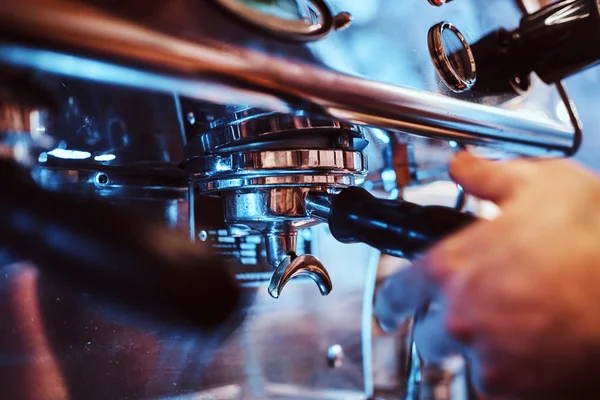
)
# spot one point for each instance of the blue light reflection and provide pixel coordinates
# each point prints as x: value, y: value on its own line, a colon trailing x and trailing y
x: 69, y: 154
x: 105, y: 157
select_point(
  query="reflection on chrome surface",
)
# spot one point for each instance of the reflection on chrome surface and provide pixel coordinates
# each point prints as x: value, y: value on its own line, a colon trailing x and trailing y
x: 249, y: 69
x: 219, y: 130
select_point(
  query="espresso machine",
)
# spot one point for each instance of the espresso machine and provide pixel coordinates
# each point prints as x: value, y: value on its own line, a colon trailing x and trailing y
x: 180, y: 175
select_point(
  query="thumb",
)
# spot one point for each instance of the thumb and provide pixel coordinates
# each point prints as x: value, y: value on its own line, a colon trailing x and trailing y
x: 488, y: 180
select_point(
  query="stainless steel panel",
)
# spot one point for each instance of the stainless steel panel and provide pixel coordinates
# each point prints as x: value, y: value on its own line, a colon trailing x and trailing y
x: 84, y: 349
x: 63, y: 343
x: 281, y: 350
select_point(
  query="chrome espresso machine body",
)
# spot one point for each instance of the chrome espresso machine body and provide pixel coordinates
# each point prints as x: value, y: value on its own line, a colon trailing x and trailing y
x: 216, y: 131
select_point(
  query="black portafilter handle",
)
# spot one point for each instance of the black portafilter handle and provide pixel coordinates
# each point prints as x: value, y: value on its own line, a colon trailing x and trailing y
x: 395, y: 227
x: 555, y: 42
x: 115, y: 256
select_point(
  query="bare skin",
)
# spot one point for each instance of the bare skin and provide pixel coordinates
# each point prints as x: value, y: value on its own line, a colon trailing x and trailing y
x: 522, y: 292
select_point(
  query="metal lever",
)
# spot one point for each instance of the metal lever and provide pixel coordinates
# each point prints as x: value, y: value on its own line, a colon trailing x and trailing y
x: 293, y: 266
x: 555, y: 42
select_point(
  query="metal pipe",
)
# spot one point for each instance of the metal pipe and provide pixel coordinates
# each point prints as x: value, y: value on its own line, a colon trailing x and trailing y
x: 225, y: 74
x: 318, y: 205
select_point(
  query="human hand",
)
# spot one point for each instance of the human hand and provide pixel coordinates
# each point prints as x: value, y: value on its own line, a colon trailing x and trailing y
x: 522, y: 290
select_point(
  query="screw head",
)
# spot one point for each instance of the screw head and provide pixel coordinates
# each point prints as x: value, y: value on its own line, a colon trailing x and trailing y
x: 335, y: 356
x: 101, y: 179
x: 191, y: 118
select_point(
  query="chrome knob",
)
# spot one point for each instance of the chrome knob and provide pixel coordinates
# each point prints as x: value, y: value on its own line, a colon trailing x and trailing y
x: 452, y: 57
x: 293, y: 266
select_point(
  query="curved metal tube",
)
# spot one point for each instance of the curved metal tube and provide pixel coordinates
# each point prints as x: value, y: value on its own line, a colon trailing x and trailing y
x: 226, y: 74
x: 293, y: 266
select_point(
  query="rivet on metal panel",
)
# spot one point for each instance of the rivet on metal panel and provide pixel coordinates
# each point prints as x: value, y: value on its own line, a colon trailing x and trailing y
x: 203, y: 235
x: 191, y: 118
x: 101, y: 179
x: 335, y: 356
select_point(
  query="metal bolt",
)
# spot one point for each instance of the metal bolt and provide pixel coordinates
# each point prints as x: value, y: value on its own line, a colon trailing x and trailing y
x: 101, y: 179
x: 191, y: 118
x: 203, y: 236
x: 335, y: 356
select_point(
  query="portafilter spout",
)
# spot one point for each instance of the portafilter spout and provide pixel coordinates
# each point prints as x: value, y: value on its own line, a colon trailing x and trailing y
x: 278, y: 213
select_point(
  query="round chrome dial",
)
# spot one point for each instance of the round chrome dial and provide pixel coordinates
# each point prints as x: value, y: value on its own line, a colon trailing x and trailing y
x: 452, y: 57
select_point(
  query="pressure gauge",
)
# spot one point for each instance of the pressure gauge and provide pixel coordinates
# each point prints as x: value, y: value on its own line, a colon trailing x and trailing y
x: 292, y: 20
